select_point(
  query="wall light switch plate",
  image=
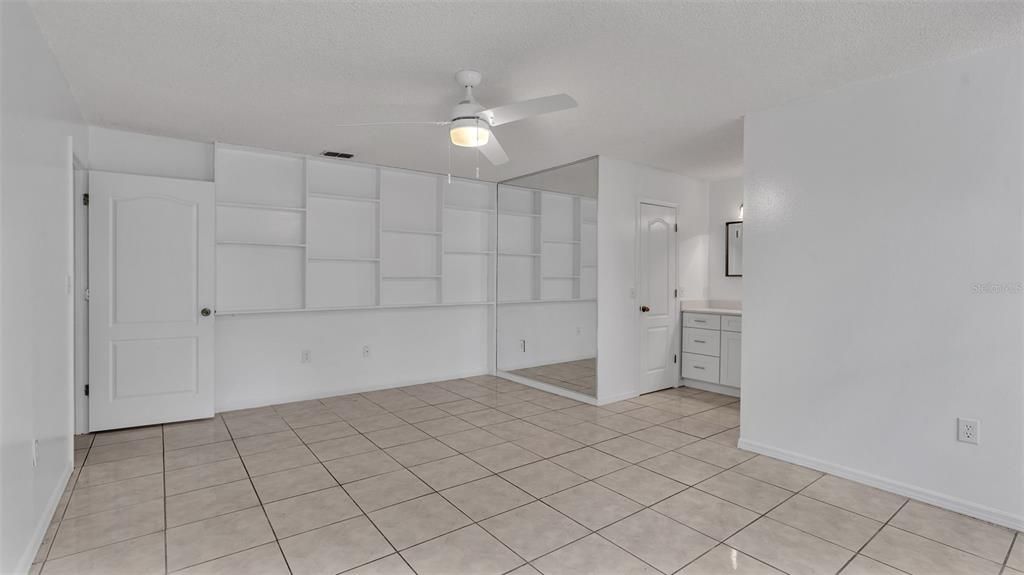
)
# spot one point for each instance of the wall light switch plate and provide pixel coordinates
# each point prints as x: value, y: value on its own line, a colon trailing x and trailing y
x: 968, y: 430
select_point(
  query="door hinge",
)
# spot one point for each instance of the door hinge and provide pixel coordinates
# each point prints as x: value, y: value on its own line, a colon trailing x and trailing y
x: 85, y: 199
x: 675, y: 358
x: 87, y: 389
x: 86, y: 294
x: 677, y: 227
x: 675, y: 293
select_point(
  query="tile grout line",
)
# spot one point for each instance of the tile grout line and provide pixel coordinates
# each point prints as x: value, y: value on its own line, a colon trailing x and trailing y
x: 1006, y: 560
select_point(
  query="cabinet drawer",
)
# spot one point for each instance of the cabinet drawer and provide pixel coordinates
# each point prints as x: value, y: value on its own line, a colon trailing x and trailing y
x: 732, y: 323
x: 703, y: 341
x: 700, y: 367
x: 702, y: 320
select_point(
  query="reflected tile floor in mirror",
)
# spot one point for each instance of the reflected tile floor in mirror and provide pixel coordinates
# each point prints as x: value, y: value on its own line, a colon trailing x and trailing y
x: 485, y: 476
x: 579, y: 376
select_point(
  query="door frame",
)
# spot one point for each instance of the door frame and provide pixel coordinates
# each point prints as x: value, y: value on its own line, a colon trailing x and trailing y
x: 637, y: 268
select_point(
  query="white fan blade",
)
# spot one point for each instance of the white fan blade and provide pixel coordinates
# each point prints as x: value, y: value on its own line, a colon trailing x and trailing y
x: 392, y: 124
x: 527, y: 108
x: 493, y: 151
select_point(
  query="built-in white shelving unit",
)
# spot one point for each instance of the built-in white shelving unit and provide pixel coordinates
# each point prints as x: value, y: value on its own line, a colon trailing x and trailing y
x: 548, y: 246
x: 297, y: 233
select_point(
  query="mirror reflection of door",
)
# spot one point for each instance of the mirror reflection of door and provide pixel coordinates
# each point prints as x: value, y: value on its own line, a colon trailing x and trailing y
x: 734, y: 249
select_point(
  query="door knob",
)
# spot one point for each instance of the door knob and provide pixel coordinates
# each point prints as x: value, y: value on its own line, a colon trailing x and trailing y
x: 205, y: 312
x: 645, y: 309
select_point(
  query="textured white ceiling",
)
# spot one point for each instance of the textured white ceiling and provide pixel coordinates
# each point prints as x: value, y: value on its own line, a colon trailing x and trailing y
x: 663, y: 84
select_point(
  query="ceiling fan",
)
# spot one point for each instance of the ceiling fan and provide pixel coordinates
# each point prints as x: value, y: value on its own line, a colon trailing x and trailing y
x: 471, y: 124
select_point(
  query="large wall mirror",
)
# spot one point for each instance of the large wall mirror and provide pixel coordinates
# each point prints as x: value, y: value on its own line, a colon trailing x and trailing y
x: 734, y: 249
x: 547, y: 277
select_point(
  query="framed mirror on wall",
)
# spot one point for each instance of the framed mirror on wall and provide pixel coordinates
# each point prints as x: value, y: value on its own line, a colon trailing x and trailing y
x: 547, y: 278
x: 734, y: 249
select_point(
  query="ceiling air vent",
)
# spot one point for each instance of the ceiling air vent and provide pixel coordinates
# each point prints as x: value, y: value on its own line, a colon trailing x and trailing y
x: 330, y: 154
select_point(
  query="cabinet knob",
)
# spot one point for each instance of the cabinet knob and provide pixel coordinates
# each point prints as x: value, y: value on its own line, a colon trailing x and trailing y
x: 645, y: 309
x: 205, y: 312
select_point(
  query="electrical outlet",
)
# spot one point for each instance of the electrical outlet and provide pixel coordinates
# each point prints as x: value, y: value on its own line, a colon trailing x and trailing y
x: 366, y: 351
x: 35, y: 452
x: 968, y: 430
x: 307, y: 356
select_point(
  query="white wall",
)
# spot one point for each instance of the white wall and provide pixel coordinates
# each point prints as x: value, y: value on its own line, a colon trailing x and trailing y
x: 881, y: 211
x: 38, y: 118
x: 259, y: 356
x: 145, y: 155
x: 724, y: 199
x: 622, y: 184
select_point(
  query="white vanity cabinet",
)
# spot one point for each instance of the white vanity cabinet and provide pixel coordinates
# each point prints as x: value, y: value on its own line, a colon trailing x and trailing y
x: 711, y: 348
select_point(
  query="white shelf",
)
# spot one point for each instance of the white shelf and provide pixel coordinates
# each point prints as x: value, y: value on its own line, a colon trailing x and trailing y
x: 357, y: 237
x: 556, y: 300
x: 593, y: 222
x: 267, y: 244
x: 518, y: 214
x: 469, y: 209
x: 345, y: 198
x: 519, y: 255
x: 259, y: 207
x: 560, y: 277
x: 561, y: 241
x: 351, y: 308
x: 414, y: 232
x: 341, y: 259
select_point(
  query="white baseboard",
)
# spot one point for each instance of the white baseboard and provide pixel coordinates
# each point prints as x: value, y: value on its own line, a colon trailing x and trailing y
x: 25, y: 562
x: 548, y: 387
x: 712, y: 387
x: 620, y: 397
x: 320, y: 394
x: 927, y: 496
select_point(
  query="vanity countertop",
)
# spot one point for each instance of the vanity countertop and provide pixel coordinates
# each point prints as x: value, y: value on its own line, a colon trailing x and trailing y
x: 689, y: 307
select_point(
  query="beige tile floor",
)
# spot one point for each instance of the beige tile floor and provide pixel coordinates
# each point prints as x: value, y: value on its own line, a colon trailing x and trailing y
x: 579, y: 376
x: 482, y: 476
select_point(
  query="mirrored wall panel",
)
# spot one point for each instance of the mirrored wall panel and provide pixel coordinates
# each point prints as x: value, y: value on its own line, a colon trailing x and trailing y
x: 547, y: 277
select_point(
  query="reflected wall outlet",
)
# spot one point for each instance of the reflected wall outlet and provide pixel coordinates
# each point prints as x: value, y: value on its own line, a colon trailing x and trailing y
x: 306, y: 356
x: 366, y: 351
x: 968, y: 430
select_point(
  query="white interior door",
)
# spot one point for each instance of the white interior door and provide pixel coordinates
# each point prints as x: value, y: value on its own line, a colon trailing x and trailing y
x: 151, y: 286
x: 659, y: 314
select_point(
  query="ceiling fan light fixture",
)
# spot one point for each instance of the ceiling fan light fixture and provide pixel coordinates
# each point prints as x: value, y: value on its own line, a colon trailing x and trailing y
x: 470, y: 133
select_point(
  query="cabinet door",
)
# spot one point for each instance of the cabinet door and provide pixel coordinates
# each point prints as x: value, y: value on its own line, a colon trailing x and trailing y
x: 731, y: 345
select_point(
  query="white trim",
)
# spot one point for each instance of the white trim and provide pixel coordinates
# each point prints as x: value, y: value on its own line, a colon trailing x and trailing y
x: 548, y: 387
x: 620, y: 397
x: 905, y: 489
x: 712, y: 387
x: 25, y: 562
